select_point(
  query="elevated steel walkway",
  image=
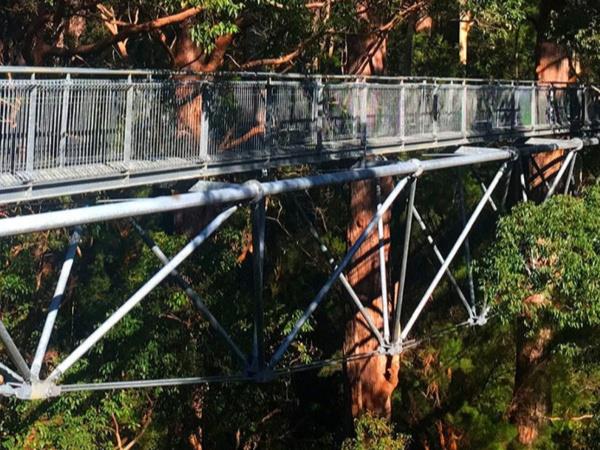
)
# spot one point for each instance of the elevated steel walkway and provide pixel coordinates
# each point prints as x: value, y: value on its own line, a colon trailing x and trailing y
x: 71, y: 131
x: 68, y: 131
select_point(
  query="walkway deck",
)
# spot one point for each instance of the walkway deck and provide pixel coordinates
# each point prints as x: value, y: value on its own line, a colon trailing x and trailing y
x: 71, y: 131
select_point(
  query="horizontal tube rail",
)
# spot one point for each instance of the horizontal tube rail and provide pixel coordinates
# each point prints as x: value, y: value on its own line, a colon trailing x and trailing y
x: 236, y: 193
x: 94, y: 124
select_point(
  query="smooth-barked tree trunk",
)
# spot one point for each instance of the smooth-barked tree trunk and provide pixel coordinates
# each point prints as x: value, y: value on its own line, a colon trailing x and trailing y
x: 372, y: 380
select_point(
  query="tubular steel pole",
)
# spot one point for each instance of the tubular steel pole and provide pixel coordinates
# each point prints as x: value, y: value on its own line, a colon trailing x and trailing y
x: 343, y: 278
x: 258, y: 259
x: 565, y: 165
x: 111, y: 211
x: 336, y: 273
x: 382, y: 271
x: 402, y: 280
x: 140, y: 294
x: 14, y: 353
x: 191, y: 293
x: 467, y: 244
x: 453, y: 252
x: 440, y: 258
x: 59, y: 293
x: 570, y: 175
x: 11, y: 373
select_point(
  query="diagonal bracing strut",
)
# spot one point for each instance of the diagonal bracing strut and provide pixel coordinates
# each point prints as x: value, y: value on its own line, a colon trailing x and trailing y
x: 59, y: 294
x: 336, y: 273
x: 459, y: 242
x: 190, y: 292
x: 140, y: 294
x: 347, y: 286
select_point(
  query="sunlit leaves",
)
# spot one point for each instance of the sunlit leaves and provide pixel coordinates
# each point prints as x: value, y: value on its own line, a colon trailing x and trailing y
x: 545, y: 264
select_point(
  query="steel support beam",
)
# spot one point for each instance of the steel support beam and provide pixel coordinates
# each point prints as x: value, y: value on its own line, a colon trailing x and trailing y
x: 92, y: 214
x: 191, y: 293
x: 563, y: 168
x: 382, y: 270
x: 453, y: 252
x: 440, y: 258
x: 13, y: 353
x: 258, y: 261
x: 467, y: 244
x: 336, y: 273
x: 570, y: 175
x: 59, y: 294
x: 410, y: 208
x: 10, y: 373
x: 347, y: 286
x: 141, y: 293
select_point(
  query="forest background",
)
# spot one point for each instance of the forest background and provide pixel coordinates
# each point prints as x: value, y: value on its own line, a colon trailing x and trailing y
x: 529, y: 378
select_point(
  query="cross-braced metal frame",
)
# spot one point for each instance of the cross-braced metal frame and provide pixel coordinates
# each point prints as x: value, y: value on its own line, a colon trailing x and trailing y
x: 23, y: 381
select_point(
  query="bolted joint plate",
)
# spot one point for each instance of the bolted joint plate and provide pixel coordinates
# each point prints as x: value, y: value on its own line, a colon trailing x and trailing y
x: 34, y: 391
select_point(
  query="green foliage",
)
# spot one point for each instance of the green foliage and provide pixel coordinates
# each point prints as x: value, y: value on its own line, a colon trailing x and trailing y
x: 373, y: 433
x: 545, y: 264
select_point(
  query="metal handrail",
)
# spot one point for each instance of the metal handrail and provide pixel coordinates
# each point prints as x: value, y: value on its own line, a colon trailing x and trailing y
x: 166, y: 73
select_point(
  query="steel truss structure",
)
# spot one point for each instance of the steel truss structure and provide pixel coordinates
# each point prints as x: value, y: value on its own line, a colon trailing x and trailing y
x: 68, y: 131
x: 23, y: 379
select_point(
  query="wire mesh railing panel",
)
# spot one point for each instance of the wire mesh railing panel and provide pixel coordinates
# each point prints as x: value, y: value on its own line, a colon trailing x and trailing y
x: 545, y: 109
x: 418, y: 110
x: 48, y: 117
x: 291, y: 120
x: 592, y: 106
x: 14, y: 114
x: 92, y: 129
x: 507, y: 110
x: 237, y: 120
x: 383, y: 111
x: 135, y: 124
x: 523, y: 96
x: 340, y: 112
x: 166, y: 121
x: 449, y: 108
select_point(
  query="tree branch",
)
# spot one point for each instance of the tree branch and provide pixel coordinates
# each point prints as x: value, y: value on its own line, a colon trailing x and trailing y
x: 274, y: 62
x: 126, y: 32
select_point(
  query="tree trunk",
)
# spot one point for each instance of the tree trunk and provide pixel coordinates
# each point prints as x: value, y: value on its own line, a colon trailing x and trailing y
x: 553, y: 64
x: 532, y: 401
x: 465, y: 22
x: 370, y: 381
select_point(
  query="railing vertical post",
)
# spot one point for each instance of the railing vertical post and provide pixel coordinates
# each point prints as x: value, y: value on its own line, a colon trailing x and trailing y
x: 204, y: 125
x: 463, y: 110
x: 534, y: 103
x: 128, y: 122
x: 436, y: 110
x: 64, y: 119
x: 317, y: 111
x: 402, y: 107
x: 513, y: 105
x: 363, y: 108
x: 31, y: 126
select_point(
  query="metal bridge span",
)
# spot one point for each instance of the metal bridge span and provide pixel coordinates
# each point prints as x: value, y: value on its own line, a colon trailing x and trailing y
x: 67, y: 131
x: 73, y: 131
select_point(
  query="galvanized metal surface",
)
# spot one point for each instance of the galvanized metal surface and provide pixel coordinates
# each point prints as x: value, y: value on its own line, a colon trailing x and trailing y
x: 27, y: 385
x: 71, y: 134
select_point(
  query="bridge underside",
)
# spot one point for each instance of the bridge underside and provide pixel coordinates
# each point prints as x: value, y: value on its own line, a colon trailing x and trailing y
x: 24, y: 380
